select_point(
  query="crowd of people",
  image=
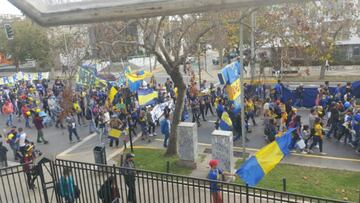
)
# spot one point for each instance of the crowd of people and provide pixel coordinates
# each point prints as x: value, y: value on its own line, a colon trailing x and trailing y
x: 334, y: 116
x: 42, y: 104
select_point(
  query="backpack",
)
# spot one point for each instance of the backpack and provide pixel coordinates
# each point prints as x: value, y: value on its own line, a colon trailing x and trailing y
x: 277, y: 111
x: 164, y: 127
x: 88, y: 113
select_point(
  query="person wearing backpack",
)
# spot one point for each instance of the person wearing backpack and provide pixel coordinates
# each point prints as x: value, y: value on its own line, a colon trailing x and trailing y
x: 11, y: 139
x: 129, y: 173
x: 109, y: 191
x: 165, y: 129
x: 3, y: 157
x: 67, y: 188
x: 38, y: 122
x: 72, y: 127
x: 89, y: 117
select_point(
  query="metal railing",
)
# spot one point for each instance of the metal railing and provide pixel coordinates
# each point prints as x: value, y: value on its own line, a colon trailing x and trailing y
x: 154, y: 187
x: 148, y: 187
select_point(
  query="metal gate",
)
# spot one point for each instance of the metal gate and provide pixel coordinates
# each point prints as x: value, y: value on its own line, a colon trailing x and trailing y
x: 26, y: 185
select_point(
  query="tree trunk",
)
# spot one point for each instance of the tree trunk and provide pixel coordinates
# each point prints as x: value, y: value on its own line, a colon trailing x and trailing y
x: 179, y: 83
x: 17, y: 69
x: 322, y: 72
x: 221, y: 54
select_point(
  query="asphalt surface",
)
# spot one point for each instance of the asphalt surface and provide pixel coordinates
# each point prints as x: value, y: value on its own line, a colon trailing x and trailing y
x: 59, y: 140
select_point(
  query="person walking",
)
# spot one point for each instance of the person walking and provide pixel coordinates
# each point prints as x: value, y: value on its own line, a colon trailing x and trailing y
x: 150, y: 122
x: 109, y: 191
x: 67, y: 188
x: 129, y: 175
x: 8, y: 110
x: 318, y: 136
x: 165, y: 129
x: 11, y: 139
x: 72, y: 127
x: 29, y: 167
x: 38, y: 122
x: 3, y: 157
x: 21, y: 141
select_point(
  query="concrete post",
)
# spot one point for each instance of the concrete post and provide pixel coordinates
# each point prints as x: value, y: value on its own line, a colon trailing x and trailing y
x: 187, y: 144
x: 222, y: 149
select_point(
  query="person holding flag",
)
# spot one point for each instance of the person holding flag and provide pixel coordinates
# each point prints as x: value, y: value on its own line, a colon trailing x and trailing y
x: 214, y: 175
x: 225, y: 122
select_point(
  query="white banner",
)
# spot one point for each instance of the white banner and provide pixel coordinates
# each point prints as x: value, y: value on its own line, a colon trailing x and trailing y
x: 158, y: 110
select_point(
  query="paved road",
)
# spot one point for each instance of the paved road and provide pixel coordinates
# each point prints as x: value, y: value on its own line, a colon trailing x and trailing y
x: 59, y: 140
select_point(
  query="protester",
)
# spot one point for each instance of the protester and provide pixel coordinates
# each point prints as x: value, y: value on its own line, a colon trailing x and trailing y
x: 165, y: 129
x: 3, y: 156
x: 38, y: 122
x: 109, y: 191
x: 29, y: 167
x: 318, y: 136
x: 72, y: 128
x: 67, y: 188
x: 214, y: 175
x: 129, y: 175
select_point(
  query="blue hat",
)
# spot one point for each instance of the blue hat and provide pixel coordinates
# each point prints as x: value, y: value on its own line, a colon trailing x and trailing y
x: 347, y: 105
x: 357, y: 117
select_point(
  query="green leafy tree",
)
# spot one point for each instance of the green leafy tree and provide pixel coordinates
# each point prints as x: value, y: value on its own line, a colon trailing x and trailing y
x: 30, y: 42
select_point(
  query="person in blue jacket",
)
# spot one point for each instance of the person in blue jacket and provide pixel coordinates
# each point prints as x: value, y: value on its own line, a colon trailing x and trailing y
x: 356, y: 131
x: 67, y: 188
x: 278, y: 90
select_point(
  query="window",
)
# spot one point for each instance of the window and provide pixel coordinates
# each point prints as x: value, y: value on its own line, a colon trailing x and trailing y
x: 356, y: 51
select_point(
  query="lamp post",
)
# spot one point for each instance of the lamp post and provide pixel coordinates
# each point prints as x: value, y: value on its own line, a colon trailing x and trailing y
x: 241, y: 50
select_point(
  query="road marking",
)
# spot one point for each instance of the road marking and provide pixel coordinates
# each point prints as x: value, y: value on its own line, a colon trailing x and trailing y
x: 295, y: 154
x: 72, y: 148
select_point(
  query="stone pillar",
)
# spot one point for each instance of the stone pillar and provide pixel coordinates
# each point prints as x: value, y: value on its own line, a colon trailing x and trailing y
x: 187, y: 144
x: 222, y: 149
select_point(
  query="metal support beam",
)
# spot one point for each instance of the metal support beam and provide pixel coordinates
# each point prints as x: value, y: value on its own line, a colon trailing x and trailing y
x: 99, y: 10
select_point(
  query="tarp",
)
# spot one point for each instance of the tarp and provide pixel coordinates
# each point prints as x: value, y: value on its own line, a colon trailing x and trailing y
x: 23, y: 76
x: 310, y: 93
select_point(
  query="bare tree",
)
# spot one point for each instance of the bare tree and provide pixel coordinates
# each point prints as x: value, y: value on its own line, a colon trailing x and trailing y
x: 171, y: 40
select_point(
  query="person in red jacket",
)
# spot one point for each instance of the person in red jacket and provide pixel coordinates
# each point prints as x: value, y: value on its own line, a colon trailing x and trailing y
x: 8, y: 110
x: 30, y: 169
x: 26, y: 113
x: 38, y: 122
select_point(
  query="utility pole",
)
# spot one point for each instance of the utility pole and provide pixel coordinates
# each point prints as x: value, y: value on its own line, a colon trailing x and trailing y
x: 241, y: 50
x: 252, y: 60
x: 199, y: 54
x: 205, y: 62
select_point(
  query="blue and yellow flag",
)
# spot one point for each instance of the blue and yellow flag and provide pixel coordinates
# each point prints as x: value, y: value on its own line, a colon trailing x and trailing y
x: 141, y: 75
x: 147, y: 97
x: 225, y: 122
x: 256, y: 167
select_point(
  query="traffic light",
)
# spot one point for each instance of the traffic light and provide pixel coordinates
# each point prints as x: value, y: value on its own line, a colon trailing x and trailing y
x: 9, y: 32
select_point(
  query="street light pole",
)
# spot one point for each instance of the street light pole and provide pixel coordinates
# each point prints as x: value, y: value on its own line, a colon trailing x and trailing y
x: 199, y: 53
x: 241, y: 47
x: 252, y: 60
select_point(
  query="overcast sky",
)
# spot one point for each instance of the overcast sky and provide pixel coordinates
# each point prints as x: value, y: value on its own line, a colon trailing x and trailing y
x: 7, y: 8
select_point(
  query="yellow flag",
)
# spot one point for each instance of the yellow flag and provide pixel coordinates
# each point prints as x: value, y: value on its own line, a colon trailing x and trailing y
x: 112, y: 94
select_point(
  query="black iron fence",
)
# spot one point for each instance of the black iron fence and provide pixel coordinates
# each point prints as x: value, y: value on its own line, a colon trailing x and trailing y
x: 99, y: 183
